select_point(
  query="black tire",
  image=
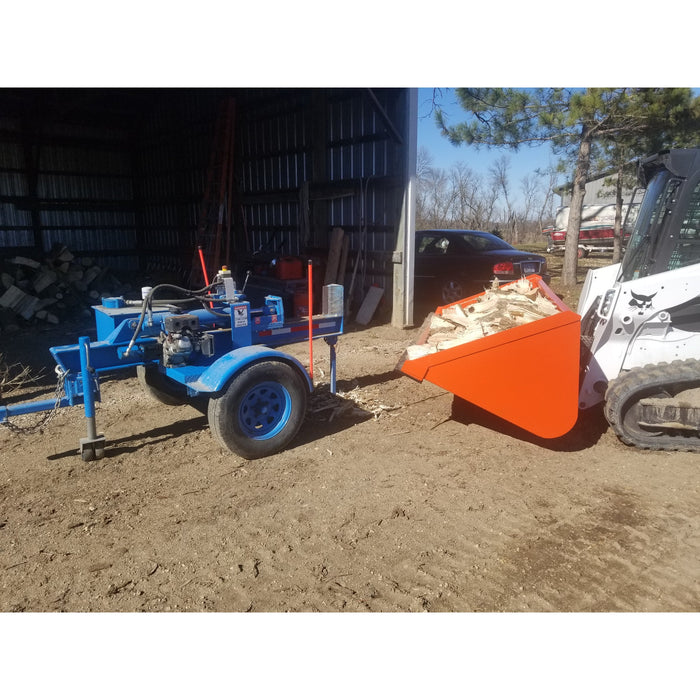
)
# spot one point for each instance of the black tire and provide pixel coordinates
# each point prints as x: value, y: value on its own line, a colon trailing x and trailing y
x: 452, y: 290
x: 158, y: 387
x: 261, y: 409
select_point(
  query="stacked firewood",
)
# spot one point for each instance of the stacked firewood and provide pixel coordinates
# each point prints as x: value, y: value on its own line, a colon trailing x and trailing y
x: 60, y: 287
x: 496, y: 310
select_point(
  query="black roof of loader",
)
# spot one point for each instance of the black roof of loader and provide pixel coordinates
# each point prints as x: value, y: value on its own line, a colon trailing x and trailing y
x: 679, y: 161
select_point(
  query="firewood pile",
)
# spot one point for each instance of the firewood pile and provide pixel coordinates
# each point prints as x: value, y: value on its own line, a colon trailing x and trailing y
x: 59, y: 288
x: 496, y: 310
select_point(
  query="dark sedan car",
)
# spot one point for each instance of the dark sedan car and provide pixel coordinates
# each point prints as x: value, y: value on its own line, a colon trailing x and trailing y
x: 453, y: 264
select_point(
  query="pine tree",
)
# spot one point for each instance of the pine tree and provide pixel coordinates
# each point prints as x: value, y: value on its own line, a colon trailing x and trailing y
x: 574, y: 121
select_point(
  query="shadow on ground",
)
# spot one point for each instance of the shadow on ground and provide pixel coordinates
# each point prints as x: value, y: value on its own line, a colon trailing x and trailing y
x: 589, y: 428
x: 326, y: 415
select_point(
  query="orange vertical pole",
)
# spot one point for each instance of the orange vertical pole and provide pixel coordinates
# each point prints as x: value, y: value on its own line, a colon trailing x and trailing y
x: 204, y: 267
x: 311, y: 326
x: 204, y: 272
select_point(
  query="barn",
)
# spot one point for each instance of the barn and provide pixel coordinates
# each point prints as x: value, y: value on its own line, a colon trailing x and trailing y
x: 263, y: 180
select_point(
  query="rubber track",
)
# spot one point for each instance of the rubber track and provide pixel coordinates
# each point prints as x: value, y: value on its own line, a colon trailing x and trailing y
x: 651, y: 380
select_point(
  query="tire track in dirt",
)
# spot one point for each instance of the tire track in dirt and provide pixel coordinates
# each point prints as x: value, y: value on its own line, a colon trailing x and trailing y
x: 606, y: 557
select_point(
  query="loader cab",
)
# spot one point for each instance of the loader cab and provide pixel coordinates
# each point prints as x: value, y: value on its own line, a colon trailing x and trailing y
x: 666, y: 235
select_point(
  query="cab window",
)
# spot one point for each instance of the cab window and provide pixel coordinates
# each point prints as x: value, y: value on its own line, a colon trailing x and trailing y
x: 687, y: 248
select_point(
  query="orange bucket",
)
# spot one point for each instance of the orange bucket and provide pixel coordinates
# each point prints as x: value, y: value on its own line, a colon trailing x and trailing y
x: 527, y: 375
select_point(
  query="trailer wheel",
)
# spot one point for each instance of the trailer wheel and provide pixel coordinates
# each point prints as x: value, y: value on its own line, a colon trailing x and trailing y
x: 157, y: 386
x: 260, y: 411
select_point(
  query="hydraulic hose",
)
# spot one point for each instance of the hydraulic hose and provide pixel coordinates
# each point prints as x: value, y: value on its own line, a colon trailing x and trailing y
x: 191, y: 294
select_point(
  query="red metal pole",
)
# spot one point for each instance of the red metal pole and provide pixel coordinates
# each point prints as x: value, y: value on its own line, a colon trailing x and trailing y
x: 311, y: 313
x: 204, y: 267
x: 204, y: 272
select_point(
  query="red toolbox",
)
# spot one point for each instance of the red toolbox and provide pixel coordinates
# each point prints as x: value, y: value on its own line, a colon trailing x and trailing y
x: 289, y: 268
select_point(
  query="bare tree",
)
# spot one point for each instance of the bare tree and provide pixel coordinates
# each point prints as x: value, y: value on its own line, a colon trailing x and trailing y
x: 424, y: 162
x: 537, y: 189
x: 467, y: 199
x: 461, y: 198
x: 530, y: 190
x: 499, y: 177
x: 433, y: 200
x: 546, y: 210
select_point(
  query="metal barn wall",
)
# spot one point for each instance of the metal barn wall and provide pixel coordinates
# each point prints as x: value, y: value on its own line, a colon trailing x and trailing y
x: 273, y: 161
x: 15, y: 222
x: 119, y: 175
x: 173, y: 144
x: 64, y: 181
x: 90, y: 185
x: 312, y: 160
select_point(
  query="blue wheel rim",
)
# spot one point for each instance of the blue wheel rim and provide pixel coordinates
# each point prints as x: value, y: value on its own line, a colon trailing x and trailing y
x: 264, y: 410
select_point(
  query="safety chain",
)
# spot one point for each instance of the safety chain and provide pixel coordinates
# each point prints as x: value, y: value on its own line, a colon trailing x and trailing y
x: 59, y: 392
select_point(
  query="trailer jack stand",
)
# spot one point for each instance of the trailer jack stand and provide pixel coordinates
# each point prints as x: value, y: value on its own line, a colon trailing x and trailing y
x: 92, y: 447
x: 331, y: 341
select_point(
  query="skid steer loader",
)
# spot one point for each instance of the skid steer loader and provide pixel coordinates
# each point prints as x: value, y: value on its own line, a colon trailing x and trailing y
x: 633, y: 345
x: 640, y: 319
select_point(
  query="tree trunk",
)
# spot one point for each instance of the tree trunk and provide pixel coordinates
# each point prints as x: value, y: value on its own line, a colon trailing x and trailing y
x: 617, y: 230
x: 515, y: 229
x: 568, y: 275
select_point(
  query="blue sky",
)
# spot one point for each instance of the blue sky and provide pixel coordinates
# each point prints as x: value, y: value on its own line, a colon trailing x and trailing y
x: 522, y: 162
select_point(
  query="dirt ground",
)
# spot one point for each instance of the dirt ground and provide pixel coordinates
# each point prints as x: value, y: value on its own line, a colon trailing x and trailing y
x: 384, y: 502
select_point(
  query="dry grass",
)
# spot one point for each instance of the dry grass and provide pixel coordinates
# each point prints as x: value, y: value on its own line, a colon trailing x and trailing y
x: 15, y: 376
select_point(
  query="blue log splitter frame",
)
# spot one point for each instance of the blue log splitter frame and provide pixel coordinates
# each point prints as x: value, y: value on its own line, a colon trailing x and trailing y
x: 252, y: 336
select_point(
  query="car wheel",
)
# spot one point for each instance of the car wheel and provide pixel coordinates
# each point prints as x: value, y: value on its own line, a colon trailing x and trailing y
x: 451, y: 290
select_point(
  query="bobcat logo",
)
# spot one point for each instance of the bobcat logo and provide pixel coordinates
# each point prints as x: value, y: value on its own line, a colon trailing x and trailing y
x: 641, y: 301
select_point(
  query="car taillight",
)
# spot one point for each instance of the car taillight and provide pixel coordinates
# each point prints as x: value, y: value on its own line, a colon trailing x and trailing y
x: 503, y: 268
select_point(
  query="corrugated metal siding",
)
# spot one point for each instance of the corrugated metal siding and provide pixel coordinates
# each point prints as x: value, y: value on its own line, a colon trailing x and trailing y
x: 134, y: 192
x: 174, y: 144
x: 95, y: 182
x: 358, y: 147
x: 273, y: 147
x: 15, y: 224
x: 82, y: 193
x: 279, y: 146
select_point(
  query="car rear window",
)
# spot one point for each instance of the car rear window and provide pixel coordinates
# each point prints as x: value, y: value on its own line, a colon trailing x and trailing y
x: 438, y: 242
x: 485, y: 242
x: 432, y: 244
